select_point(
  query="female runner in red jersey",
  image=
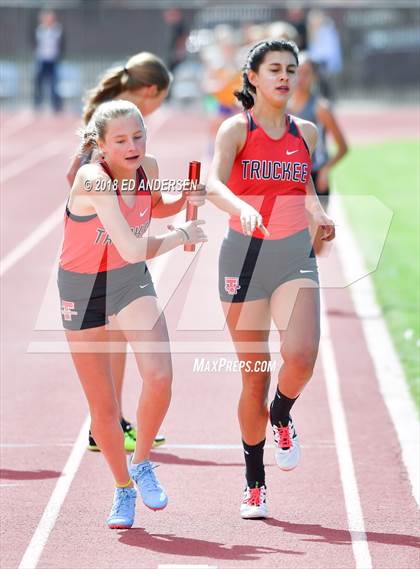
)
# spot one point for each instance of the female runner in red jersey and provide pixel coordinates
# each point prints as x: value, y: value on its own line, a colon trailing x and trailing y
x: 260, y: 175
x: 103, y: 273
x: 144, y: 80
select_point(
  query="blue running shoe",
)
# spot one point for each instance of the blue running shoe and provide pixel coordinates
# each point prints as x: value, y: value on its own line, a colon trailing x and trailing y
x: 123, y: 509
x: 152, y: 492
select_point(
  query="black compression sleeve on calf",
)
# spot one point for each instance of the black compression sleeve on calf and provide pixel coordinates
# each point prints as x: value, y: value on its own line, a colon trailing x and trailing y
x: 280, y: 409
x: 254, y: 462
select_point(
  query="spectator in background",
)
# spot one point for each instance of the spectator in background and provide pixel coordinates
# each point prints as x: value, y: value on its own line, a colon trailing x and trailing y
x: 49, y: 40
x: 252, y: 34
x: 221, y: 76
x: 296, y: 17
x: 282, y: 31
x: 324, y: 49
x: 177, y: 37
x: 249, y: 35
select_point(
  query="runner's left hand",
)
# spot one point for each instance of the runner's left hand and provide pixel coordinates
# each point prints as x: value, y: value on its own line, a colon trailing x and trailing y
x: 326, y: 224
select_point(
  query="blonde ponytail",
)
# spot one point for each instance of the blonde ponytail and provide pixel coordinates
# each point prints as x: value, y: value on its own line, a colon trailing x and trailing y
x: 141, y: 70
x: 111, y: 85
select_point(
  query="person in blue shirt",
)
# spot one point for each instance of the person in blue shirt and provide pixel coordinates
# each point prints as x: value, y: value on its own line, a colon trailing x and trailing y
x: 49, y: 43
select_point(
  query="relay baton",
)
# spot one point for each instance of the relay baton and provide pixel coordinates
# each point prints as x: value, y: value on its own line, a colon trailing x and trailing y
x: 193, y: 176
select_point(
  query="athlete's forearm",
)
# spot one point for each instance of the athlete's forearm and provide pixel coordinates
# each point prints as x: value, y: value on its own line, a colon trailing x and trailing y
x: 172, y: 206
x: 160, y: 244
x: 220, y: 195
x: 312, y: 203
x: 341, y: 152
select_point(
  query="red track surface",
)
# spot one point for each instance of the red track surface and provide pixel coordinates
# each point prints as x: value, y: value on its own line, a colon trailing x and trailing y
x: 43, y: 405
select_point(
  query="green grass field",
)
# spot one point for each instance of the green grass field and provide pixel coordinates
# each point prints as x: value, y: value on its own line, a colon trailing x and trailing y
x: 389, y: 171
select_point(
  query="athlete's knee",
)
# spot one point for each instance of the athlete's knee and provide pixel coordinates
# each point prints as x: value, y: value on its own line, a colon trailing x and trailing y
x: 104, y: 412
x: 301, y: 360
x: 158, y: 379
x: 255, y: 387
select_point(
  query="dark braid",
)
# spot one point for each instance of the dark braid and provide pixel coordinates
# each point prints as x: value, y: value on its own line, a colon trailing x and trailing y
x: 254, y: 59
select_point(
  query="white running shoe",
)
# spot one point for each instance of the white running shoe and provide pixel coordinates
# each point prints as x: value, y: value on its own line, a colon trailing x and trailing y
x: 287, y: 451
x: 254, y: 503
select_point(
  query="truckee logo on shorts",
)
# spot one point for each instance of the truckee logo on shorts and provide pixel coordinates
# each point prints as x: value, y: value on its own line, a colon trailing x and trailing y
x: 232, y: 285
x: 67, y: 309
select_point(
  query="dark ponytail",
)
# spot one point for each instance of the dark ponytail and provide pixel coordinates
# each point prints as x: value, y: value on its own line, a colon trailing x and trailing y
x: 244, y: 96
x: 254, y: 59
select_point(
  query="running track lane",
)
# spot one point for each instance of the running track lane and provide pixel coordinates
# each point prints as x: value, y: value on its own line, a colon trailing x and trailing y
x: 201, y: 525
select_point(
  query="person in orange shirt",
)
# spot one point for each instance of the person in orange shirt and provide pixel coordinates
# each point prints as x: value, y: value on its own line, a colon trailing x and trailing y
x: 221, y: 76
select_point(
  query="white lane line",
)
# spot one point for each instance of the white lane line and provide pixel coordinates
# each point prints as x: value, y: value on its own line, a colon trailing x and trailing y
x: 389, y: 372
x: 39, y: 154
x: 40, y: 537
x: 352, y: 501
x: 25, y: 246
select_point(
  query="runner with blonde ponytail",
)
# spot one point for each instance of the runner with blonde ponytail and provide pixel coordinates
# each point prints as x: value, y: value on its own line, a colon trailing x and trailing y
x: 144, y: 80
x: 103, y: 279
